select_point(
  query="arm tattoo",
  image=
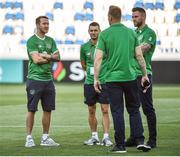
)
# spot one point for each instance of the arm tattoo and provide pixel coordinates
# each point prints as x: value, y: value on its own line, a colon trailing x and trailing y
x: 145, y: 47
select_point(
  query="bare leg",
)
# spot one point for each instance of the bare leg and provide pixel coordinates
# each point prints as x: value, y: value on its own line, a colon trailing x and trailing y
x: 46, y: 119
x: 29, y: 122
x: 92, y: 118
x: 105, y: 117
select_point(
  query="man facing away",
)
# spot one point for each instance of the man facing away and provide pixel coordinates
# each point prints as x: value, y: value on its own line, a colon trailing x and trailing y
x: 91, y: 96
x: 120, y: 45
x: 147, y: 39
x: 42, y: 51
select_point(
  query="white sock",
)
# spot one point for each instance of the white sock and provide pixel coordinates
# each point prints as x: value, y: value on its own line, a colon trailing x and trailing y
x: 28, y: 137
x: 45, y: 136
x: 95, y: 134
x: 106, y: 135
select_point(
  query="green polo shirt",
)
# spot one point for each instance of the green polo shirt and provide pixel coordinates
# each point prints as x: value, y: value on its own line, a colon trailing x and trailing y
x: 41, y: 72
x: 119, y: 42
x: 146, y: 35
x: 87, y: 55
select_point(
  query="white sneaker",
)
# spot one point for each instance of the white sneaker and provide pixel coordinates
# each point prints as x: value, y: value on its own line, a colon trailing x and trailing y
x: 106, y: 142
x: 29, y: 142
x: 48, y: 142
x: 92, y: 141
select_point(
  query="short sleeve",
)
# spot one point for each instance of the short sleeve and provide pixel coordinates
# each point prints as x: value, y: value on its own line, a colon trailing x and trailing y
x: 31, y: 46
x: 100, y: 43
x: 150, y: 38
x: 54, y: 46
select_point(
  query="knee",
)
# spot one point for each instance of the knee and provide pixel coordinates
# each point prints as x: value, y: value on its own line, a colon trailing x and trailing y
x: 105, y: 111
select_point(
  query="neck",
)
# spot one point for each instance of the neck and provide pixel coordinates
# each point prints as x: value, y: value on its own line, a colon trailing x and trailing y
x: 142, y: 26
x: 94, y: 41
x: 40, y: 34
x: 115, y: 21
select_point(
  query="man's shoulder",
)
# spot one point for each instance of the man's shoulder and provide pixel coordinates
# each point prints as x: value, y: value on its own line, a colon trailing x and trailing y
x: 49, y: 38
x: 150, y: 30
x: 31, y: 38
x: 85, y: 44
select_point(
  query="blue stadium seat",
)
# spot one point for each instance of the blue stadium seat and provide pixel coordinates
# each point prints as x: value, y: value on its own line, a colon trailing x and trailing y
x: 159, y: 5
x: 70, y: 30
x: 67, y: 42
x: 88, y: 5
x: 127, y: 17
x: 177, y: 5
x: 89, y: 17
x: 149, y: 5
x: 23, y: 41
x: 8, y: 29
x: 58, y: 5
x: 58, y: 41
x: 178, y: 17
x: 79, y: 16
x: 139, y: 4
x: 9, y: 4
x: 1, y: 5
x: 18, y: 5
x: 50, y: 16
x: 9, y: 16
x: 19, y: 16
x: 79, y: 42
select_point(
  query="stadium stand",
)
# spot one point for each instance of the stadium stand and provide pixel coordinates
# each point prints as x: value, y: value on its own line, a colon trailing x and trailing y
x: 69, y: 19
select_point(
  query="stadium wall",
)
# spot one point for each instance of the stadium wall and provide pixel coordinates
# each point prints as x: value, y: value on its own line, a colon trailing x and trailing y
x: 164, y: 72
x: 15, y: 71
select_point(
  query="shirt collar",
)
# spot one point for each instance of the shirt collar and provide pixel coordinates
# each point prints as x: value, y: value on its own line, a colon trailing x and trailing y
x: 116, y: 24
x: 91, y: 44
x: 142, y: 29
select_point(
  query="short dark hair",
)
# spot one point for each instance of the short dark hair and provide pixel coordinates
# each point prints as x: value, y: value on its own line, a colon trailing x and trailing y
x: 115, y: 12
x: 141, y: 10
x: 39, y: 18
x: 94, y: 24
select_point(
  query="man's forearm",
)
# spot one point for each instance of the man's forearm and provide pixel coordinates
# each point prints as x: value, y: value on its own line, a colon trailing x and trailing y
x: 145, y: 47
x: 97, y: 63
x: 142, y: 64
x: 141, y: 60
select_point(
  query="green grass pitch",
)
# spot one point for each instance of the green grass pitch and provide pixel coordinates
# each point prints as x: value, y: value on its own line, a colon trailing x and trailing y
x: 70, y: 128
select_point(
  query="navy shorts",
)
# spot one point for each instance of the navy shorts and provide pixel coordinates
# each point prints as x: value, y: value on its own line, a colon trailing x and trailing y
x: 40, y: 90
x: 92, y: 97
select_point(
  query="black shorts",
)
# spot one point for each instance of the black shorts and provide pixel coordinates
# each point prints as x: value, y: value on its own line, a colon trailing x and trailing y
x: 40, y: 90
x: 92, y: 97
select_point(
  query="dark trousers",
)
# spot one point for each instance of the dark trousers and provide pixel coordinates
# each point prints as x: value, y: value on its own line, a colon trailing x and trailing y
x: 129, y: 89
x: 148, y: 109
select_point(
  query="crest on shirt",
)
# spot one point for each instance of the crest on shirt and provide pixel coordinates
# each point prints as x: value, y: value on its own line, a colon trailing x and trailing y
x: 48, y: 46
x: 140, y: 38
x: 150, y: 39
x: 40, y: 46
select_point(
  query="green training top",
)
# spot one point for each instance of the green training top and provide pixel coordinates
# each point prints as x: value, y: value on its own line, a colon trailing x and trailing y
x: 119, y: 42
x: 41, y: 72
x: 87, y: 55
x: 146, y: 35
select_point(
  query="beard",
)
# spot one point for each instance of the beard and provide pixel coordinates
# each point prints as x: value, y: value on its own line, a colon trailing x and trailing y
x: 138, y: 24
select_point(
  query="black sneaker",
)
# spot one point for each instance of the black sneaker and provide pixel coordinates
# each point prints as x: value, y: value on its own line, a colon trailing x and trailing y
x: 130, y: 142
x: 152, y: 144
x: 118, y: 149
x: 143, y: 147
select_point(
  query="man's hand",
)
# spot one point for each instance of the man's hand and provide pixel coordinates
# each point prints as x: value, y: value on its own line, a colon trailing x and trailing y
x: 45, y: 56
x: 143, y: 80
x: 97, y: 86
